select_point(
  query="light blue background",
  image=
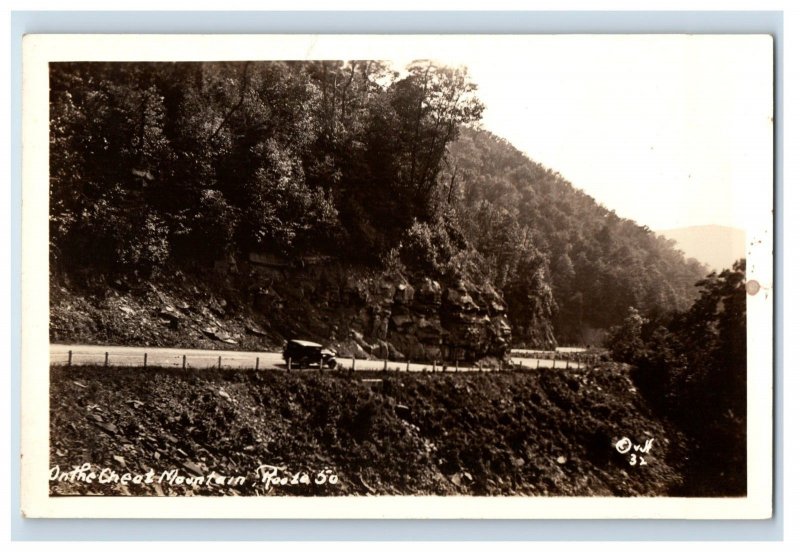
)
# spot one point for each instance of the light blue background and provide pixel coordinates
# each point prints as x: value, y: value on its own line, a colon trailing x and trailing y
x: 395, y: 23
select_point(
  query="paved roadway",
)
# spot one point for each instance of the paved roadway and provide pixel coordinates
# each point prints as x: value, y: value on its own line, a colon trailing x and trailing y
x: 198, y: 358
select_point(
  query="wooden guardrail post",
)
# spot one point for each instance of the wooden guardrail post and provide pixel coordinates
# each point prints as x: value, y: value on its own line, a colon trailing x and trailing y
x: 69, y: 358
x: 352, y: 363
x: 256, y: 363
x: 219, y: 362
x: 106, y: 361
x: 145, y: 360
x: 184, y: 362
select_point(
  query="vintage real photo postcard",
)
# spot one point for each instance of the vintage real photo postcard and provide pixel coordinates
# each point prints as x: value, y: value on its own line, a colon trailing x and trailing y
x: 397, y: 276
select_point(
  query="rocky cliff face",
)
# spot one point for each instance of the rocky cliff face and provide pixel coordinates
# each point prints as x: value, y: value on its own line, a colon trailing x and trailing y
x: 392, y: 315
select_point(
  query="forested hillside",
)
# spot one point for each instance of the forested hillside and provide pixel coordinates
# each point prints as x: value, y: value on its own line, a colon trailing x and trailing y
x: 161, y: 167
x: 596, y: 263
x: 168, y: 162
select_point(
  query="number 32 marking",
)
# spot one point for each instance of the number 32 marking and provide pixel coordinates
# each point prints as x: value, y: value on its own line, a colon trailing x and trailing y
x: 632, y: 460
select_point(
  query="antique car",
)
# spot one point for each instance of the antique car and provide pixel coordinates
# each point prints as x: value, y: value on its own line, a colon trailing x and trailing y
x: 307, y: 354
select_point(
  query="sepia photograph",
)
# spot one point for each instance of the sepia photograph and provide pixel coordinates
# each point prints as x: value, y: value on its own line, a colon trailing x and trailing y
x: 462, y: 268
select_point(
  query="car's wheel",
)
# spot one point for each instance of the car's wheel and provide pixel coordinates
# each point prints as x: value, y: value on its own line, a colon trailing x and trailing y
x: 332, y: 363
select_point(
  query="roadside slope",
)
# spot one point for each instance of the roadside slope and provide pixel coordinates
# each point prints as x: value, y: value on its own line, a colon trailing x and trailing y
x: 548, y: 432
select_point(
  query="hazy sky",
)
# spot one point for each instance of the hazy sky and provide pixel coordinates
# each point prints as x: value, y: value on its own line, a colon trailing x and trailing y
x: 668, y: 131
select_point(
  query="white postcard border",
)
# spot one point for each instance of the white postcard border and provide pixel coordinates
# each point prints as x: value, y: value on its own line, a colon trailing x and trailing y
x: 39, y: 50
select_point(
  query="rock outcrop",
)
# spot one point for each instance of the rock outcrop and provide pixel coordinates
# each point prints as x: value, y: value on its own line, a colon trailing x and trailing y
x: 395, y: 316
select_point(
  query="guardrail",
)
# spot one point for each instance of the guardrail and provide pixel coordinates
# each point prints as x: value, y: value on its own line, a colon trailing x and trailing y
x: 248, y: 361
x: 145, y: 359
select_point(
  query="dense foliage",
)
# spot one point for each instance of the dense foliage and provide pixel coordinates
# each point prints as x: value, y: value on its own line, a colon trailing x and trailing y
x: 155, y: 165
x: 157, y: 161
x: 693, y: 368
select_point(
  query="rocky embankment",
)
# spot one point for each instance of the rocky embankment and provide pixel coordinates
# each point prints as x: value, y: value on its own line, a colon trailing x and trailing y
x: 207, y: 432
x: 257, y: 304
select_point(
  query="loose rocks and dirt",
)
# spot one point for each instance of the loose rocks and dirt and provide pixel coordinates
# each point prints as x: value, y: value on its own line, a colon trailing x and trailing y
x: 155, y: 432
